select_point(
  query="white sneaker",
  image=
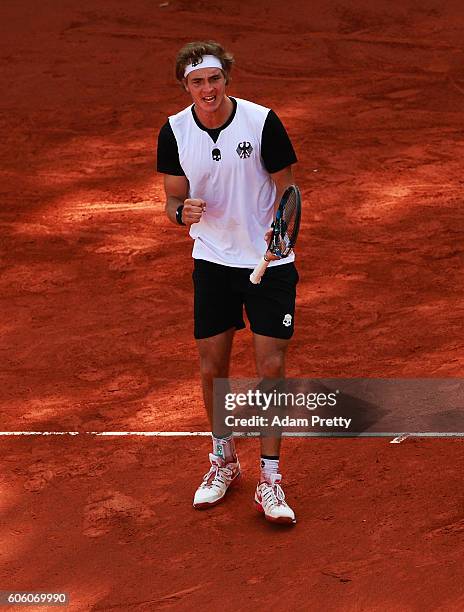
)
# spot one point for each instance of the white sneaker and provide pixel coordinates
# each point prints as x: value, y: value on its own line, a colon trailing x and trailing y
x: 215, y: 483
x: 270, y: 500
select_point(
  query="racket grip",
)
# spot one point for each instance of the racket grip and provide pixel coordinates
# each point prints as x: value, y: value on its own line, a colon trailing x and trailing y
x: 260, y: 269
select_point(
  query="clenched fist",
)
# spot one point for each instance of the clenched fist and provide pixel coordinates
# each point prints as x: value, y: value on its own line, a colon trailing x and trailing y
x: 193, y: 210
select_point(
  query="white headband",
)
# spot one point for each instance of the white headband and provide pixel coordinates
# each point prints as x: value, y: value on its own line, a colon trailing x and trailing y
x: 207, y: 61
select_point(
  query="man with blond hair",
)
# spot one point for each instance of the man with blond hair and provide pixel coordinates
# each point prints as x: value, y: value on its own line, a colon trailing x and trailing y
x: 226, y: 163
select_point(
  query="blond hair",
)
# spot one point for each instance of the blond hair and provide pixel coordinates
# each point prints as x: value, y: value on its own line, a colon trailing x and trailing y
x: 194, y: 50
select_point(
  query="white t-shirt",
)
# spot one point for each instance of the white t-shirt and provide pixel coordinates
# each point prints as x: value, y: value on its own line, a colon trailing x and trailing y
x: 230, y: 176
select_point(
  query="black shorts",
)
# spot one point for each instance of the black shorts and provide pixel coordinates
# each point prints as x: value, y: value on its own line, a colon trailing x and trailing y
x: 221, y: 292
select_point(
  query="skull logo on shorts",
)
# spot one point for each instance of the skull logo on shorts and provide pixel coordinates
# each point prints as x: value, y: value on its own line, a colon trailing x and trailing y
x: 287, y: 320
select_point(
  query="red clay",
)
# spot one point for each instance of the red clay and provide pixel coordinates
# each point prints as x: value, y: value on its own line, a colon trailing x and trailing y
x: 96, y: 303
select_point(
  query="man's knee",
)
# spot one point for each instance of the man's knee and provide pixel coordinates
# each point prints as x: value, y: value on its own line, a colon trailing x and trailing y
x: 272, y: 365
x: 212, y: 368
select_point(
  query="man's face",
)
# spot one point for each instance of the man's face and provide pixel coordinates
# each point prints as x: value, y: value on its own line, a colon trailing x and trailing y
x: 207, y: 86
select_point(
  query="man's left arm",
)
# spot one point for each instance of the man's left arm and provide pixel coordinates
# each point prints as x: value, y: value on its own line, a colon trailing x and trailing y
x: 282, y: 180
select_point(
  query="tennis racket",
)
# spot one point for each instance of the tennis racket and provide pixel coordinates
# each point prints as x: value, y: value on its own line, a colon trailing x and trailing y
x: 284, y: 230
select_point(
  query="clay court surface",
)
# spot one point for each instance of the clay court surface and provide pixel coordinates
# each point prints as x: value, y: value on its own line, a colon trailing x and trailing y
x: 95, y: 290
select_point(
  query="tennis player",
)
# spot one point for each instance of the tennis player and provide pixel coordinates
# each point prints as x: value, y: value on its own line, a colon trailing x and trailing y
x: 226, y: 162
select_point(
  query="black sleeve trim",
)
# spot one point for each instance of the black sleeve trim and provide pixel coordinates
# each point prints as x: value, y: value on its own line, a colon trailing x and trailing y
x: 276, y: 148
x: 168, y: 154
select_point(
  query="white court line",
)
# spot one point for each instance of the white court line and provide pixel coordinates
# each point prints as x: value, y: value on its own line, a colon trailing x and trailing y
x: 105, y: 433
x: 397, y: 438
x: 149, y: 433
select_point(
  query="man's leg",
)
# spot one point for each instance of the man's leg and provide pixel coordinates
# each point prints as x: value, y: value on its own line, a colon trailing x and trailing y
x: 270, y: 363
x: 218, y: 312
x: 225, y: 469
x: 270, y: 307
x: 269, y: 496
x: 214, y: 363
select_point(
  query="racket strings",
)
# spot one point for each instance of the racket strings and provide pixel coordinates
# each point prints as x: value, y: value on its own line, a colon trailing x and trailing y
x: 290, y: 218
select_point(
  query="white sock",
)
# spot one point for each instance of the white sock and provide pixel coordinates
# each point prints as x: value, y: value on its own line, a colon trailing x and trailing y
x: 268, y: 467
x: 225, y: 448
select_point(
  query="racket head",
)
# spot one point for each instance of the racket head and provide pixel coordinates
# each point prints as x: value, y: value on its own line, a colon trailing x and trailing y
x: 286, y: 223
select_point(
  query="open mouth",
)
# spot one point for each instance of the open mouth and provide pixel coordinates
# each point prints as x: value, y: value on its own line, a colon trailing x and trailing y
x: 209, y: 99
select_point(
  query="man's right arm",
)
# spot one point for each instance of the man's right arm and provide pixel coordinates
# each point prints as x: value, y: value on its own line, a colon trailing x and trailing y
x: 175, y: 182
x: 176, y: 189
